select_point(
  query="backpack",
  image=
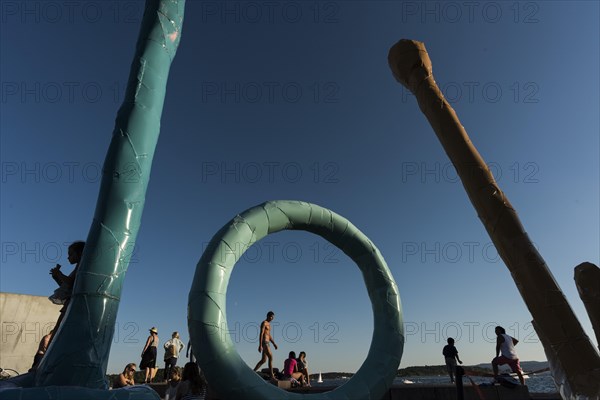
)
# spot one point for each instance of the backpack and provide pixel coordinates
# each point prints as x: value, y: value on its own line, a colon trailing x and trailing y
x: 170, y: 350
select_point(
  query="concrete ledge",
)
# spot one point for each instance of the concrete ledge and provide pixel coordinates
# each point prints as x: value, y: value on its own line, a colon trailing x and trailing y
x: 430, y: 392
x: 285, y: 384
x: 24, y: 320
x: 448, y: 392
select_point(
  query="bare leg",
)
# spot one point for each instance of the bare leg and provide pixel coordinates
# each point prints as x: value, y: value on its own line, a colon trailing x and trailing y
x: 305, y: 371
x: 270, y: 357
x: 261, y: 362
x: 299, y: 376
x: 521, y: 379
x: 495, y: 368
x: 147, y: 370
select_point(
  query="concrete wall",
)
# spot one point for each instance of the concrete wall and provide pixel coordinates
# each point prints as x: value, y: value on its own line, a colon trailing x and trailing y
x: 24, y: 320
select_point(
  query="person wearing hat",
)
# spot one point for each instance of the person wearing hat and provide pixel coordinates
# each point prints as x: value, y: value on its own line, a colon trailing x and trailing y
x: 149, y: 355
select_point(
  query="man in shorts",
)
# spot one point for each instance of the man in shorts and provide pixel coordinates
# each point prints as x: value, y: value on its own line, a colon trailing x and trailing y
x: 506, y: 354
x: 263, y: 343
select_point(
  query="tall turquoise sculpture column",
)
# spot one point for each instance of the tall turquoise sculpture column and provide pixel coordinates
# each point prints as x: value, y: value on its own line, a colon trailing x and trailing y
x: 78, y: 356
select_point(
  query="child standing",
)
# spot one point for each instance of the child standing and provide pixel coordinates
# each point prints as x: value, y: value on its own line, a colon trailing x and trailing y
x: 451, y: 355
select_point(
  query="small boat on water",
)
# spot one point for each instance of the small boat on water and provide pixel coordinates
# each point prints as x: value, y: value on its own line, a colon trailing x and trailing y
x: 320, y: 380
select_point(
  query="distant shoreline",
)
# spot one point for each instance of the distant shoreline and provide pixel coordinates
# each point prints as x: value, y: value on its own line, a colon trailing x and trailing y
x: 423, y: 370
x: 433, y: 370
x: 426, y: 370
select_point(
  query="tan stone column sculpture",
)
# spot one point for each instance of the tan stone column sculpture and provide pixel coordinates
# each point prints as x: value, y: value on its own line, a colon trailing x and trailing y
x: 574, y: 361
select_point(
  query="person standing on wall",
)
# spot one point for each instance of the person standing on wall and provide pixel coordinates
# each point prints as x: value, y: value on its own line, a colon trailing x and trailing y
x: 263, y: 344
x: 149, y: 356
x: 172, y: 348
x: 451, y: 356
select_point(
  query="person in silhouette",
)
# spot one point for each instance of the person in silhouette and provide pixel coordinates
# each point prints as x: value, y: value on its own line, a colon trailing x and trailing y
x: 63, y: 294
x: 451, y: 356
x: 264, y: 341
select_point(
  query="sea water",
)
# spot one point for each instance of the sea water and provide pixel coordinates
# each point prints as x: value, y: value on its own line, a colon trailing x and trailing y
x: 538, y: 383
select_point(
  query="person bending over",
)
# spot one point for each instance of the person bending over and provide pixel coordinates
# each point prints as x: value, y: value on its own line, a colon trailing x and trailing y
x: 506, y: 354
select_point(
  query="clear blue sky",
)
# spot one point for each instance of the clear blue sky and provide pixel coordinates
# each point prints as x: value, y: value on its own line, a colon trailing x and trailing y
x: 296, y: 101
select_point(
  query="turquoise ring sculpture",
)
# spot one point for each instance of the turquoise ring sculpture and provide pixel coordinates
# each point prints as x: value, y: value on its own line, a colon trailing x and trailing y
x: 207, y: 319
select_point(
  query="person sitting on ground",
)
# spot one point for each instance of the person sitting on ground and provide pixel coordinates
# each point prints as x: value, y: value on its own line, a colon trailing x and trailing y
x: 303, y: 366
x: 290, y: 369
x: 42, y: 349
x: 192, y: 385
x: 451, y: 355
x: 126, y: 378
x: 173, y: 383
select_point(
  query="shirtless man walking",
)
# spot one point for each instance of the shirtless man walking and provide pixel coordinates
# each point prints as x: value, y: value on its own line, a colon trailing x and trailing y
x: 263, y: 343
